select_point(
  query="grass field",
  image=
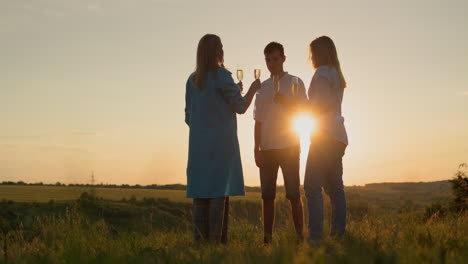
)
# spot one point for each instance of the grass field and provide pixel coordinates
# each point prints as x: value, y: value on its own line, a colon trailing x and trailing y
x: 386, y: 224
x: 42, y: 194
x: 385, y: 239
x: 418, y: 193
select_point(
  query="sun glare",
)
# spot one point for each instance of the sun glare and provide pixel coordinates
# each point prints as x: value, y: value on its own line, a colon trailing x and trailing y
x: 304, y: 125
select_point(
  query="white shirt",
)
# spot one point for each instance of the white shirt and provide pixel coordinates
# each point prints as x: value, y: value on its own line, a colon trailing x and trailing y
x: 325, y: 91
x: 277, y: 128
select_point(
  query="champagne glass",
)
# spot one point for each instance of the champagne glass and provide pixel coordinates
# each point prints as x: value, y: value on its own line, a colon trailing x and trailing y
x: 240, y: 76
x: 294, y: 85
x: 257, y: 74
x: 276, y: 85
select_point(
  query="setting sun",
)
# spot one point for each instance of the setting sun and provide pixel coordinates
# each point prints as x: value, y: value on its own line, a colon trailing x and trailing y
x: 304, y: 125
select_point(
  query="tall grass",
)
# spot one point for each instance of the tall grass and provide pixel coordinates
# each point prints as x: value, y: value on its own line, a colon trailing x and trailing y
x: 372, y: 237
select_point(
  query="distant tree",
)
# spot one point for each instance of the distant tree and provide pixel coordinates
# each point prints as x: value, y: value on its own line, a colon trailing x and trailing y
x: 459, y: 204
x: 460, y: 187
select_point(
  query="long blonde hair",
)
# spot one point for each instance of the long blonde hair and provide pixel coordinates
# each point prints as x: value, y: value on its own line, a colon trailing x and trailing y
x: 209, y: 55
x: 323, y: 52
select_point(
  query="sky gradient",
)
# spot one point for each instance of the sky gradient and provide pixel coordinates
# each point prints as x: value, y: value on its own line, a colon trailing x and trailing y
x: 99, y: 85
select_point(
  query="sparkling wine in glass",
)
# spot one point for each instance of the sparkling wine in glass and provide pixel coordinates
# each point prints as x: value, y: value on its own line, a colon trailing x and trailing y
x: 294, y: 86
x: 257, y: 74
x: 276, y: 83
x: 240, y: 75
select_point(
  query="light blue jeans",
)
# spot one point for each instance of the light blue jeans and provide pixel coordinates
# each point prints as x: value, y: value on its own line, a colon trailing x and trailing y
x: 324, y: 169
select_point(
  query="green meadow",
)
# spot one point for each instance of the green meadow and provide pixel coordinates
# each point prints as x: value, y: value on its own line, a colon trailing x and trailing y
x: 387, y: 223
x: 42, y: 194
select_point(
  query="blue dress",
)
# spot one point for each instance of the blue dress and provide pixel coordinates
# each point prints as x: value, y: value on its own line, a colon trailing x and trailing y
x: 214, y: 166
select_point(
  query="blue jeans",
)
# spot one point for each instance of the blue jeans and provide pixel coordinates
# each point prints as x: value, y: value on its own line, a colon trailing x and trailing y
x: 324, y: 169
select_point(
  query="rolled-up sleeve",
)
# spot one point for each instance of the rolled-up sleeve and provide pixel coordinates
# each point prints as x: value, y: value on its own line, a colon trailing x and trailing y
x: 231, y: 93
x: 320, y: 94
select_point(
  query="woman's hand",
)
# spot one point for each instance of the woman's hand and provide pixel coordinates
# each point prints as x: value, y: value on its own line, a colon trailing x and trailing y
x: 255, y: 86
x: 241, y: 86
x: 250, y: 94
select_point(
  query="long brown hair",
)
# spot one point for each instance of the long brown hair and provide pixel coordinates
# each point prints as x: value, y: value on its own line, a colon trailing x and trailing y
x: 323, y: 52
x: 209, y: 56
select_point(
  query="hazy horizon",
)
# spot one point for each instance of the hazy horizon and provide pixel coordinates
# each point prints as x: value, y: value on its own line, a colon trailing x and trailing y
x: 184, y: 184
x: 99, y: 85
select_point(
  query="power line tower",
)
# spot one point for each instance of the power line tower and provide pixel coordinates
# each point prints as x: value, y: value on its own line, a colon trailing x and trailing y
x: 92, y: 191
x: 92, y: 178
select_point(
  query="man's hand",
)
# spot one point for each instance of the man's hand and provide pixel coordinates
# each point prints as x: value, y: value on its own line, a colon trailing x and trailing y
x: 291, y: 103
x: 258, y: 158
x: 280, y: 99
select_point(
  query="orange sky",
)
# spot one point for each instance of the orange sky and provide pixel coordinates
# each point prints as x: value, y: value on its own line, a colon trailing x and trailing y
x: 99, y: 86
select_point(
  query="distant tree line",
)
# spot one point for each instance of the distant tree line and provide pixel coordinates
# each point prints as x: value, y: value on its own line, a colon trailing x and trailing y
x: 126, y: 186
x: 101, y: 185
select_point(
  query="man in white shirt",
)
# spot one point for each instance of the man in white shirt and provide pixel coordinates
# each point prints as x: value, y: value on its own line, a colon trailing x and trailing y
x: 276, y: 144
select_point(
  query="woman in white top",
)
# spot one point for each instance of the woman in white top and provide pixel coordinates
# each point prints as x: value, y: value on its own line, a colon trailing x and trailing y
x: 324, y: 167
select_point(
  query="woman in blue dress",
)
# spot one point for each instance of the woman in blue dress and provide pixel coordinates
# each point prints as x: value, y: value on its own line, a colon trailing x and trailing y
x: 214, y: 169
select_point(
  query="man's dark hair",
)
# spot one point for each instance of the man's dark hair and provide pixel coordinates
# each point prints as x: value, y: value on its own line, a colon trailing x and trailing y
x: 272, y: 46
